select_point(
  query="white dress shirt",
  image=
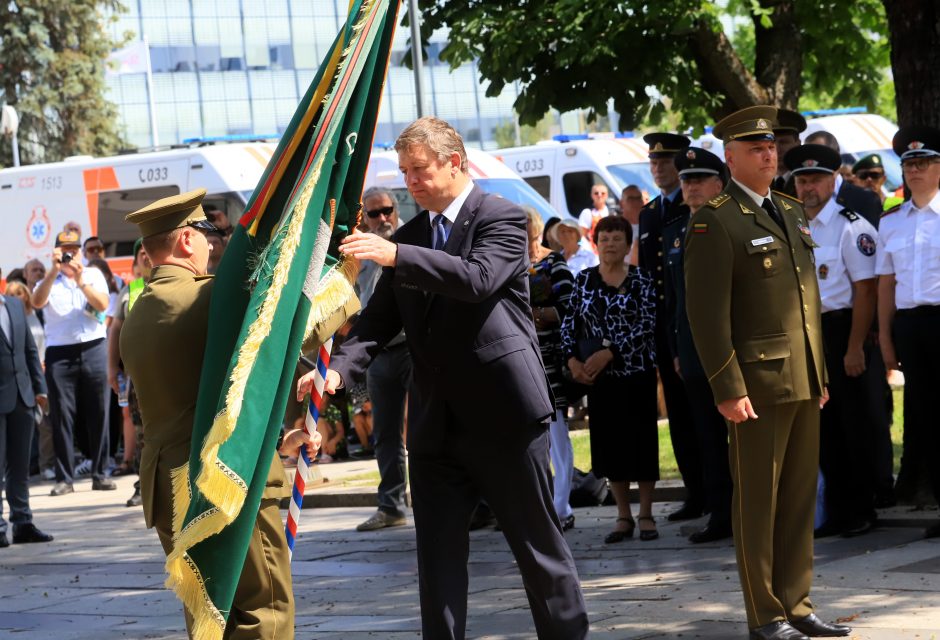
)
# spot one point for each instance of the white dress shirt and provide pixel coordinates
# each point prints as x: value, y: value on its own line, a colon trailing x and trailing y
x: 910, y: 241
x: 451, y: 211
x: 756, y: 197
x: 846, y: 254
x: 70, y: 319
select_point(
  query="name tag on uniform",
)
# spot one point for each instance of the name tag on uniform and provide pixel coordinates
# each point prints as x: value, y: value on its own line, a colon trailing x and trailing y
x: 762, y: 241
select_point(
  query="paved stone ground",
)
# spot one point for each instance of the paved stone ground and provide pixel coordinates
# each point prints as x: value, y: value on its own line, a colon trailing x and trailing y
x: 103, y: 575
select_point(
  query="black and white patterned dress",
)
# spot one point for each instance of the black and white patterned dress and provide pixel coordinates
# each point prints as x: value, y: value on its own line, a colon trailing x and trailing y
x: 550, y: 287
x: 622, y: 401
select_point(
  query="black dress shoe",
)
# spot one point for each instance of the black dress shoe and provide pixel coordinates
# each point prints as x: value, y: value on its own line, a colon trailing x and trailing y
x: 61, y: 488
x: 932, y: 531
x: 858, y: 527
x: 687, y: 511
x: 780, y: 630
x: 568, y: 523
x: 3, y: 541
x: 23, y: 533
x: 827, y: 530
x: 816, y: 628
x: 103, y: 484
x: 711, y: 533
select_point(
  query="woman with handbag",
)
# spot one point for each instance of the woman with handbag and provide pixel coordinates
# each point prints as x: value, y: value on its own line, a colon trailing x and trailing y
x: 550, y: 285
x: 609, y: 345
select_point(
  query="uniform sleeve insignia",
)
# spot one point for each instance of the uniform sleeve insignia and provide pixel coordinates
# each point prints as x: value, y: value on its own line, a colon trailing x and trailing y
x: 823, y: 271
x: 850, y: 215
x: 699, y: 227
x: 718, y: 200
x: 865, y: 244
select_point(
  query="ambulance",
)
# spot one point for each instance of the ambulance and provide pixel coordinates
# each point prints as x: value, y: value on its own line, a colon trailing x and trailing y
x: 38, y: 200
x: 489, y: 173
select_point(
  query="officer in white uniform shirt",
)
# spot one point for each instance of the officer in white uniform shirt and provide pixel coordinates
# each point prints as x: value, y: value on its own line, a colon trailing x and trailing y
x: 845, y: 269
x: 909, y: 293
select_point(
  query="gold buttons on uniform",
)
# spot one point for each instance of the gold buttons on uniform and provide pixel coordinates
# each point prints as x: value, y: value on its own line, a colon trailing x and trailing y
x: 764, y: 249
x: 761, y: 356
x: 797, y: 269
x: 805, y: 307
x: 662, y: 297
x: 659, y: 253
x: 802, y: 288
x: 807, y: 326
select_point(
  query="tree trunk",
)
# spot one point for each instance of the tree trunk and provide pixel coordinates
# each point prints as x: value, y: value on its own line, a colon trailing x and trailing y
x: 722, y: 71
x: 914, y: 30
x: 778, y: 60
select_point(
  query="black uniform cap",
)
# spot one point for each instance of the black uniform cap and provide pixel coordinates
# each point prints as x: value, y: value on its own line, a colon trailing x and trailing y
x: 663, y: 145
x: 789, y: 122
x: 696, y: 162
x: 812, y: 158
x: 917, y: 142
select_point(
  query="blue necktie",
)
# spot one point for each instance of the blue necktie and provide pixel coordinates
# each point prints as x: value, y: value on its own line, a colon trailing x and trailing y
x: 440, y: 232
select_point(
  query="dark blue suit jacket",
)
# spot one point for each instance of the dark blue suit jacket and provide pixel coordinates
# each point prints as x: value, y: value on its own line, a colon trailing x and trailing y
x: 466, y: 315
x: 20, y: 370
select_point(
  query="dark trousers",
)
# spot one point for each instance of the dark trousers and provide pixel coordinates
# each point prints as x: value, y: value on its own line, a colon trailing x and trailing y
x: 881, y: 403
x: 682, y: 429
x: 510, y: 470
x: 846, y: 429
x: 917, y: 341
x: 16, y: 432
x: 712, y: 433
x: 388, y: 379
x: 77, y: 378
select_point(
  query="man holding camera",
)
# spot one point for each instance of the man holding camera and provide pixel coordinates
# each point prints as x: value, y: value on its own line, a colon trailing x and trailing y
x: 75, y: 298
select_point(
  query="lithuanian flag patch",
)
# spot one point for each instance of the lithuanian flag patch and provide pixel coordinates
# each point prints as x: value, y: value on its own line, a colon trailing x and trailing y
x: 699, y: 227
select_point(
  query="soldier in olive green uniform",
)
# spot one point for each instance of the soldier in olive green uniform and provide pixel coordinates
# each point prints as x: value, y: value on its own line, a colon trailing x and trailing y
x: 162, y: 345
x: 754, y: 310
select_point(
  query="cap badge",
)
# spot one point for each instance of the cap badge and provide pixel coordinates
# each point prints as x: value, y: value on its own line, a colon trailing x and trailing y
x: 810, y: 162
x: 915, y: 145
x: 690, y: 154
x: 658, y: 147
x: 762, y: 124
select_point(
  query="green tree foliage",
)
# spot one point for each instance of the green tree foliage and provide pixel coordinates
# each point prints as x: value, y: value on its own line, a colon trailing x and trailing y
x: 675, y: 54
x: 52, y: 70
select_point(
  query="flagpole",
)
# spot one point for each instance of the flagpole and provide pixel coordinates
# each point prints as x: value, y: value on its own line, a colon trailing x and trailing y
x: 303, y: 460
x: 417, y: 60
x: 155, y: 138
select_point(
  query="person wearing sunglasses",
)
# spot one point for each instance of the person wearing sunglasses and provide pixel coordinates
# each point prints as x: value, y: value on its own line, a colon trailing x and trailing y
x: 909, y: 294
x: 387, y: 378
x: 869, y: 173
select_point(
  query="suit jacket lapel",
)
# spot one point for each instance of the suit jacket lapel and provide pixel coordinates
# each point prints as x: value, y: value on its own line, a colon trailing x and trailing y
x: 5, y: 308
x: 761, y: 217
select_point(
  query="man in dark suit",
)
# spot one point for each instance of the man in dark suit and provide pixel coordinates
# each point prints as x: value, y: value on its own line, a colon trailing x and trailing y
x: 455, y: 279
x: 22, y: 387
x: 660, y: 212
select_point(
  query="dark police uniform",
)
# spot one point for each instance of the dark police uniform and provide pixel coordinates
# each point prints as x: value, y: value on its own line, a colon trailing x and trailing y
x: 753, y: 306
x: 910, y: 254
x: 658, y: 213
x: 788, y: 123
x: 710, y: 425
x: 845, y: 255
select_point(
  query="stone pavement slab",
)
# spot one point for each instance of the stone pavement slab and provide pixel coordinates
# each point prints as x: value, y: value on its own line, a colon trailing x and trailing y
x: 103, y: 578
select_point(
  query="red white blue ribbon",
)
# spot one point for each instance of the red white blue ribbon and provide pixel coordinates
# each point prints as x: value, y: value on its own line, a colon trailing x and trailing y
x: 303, y: 460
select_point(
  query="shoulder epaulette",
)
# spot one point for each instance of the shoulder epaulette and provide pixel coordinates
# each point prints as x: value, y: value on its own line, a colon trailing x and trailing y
x: 850, y: 215
x: 207, y: 276
x: 892, y: 210
x: 787, y: 195
x: 718, y: 200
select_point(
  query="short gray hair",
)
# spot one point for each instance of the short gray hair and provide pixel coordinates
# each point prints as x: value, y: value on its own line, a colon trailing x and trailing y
x: 379, y: 192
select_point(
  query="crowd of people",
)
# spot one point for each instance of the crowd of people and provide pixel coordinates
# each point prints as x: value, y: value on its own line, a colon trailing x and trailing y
x: 769, y: 320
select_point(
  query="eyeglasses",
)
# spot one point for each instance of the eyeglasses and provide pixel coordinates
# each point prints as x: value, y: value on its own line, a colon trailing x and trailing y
x: 381, y: 211
x: 94, y: 249
x: 870, y: 175
x: 920, y: 164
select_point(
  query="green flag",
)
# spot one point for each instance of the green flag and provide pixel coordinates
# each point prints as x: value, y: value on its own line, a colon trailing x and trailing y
x: 280, y: 276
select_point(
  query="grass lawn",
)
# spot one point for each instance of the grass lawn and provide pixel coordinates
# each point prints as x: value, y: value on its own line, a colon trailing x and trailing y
x: 581, y: 442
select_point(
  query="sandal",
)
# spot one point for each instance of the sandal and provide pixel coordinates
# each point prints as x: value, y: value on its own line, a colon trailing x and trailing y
x: 649, y: 534
x: 620, y: 536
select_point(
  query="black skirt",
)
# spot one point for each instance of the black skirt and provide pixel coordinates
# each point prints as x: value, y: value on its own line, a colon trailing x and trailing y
x: 624, y: 433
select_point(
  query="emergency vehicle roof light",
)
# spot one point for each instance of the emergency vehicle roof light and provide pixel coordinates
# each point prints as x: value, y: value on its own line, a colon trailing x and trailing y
x: 834, y: 112
x: 239, y: 137
x: 568, y: 137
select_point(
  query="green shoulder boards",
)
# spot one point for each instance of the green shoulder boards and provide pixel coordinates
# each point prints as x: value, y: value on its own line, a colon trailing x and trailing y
x: 787, y: 195
x: 718, y: 200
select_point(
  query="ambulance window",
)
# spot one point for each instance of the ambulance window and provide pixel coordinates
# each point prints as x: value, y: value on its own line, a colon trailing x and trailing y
x: 117, y: 235
x: 542, y: 184
x: 577, y: 187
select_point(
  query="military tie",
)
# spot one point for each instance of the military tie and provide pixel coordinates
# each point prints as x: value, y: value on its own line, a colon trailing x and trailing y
x: 439, y: 228
x: 771, y: 210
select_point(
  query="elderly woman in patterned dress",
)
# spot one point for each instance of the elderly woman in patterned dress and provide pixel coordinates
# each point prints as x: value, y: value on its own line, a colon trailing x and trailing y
x: 608, y: 341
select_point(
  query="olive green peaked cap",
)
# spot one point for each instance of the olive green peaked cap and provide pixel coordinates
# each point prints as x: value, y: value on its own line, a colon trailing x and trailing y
x: 170, y: 213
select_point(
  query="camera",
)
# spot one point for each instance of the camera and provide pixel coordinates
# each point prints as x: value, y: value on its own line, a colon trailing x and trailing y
x: 66, y: 258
